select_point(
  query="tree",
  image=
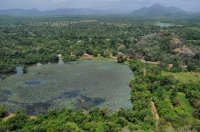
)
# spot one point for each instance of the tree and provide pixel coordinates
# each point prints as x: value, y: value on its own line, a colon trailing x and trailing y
x: 106, y: 54
x: 18, y: 121
x: 79, y: 52
x: 114, y: 53
x: 197, y: 113
x: 25, y: 69
x: 121, y: 59
x: 3, y: 112
x: 191, y: 67
x: 72, y: 127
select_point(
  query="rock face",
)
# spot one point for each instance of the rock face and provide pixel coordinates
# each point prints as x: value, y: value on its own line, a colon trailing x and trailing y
x: 181, y: 49
x: 184, y: 51
x: 159, y: 10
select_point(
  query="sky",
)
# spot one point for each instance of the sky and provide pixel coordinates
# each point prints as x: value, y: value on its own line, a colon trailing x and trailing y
x: 118, y: 5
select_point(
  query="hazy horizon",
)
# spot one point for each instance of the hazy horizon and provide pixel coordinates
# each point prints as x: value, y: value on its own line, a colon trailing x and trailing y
x: 117, y: 5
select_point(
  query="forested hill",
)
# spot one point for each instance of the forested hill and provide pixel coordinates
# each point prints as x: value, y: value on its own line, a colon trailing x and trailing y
x: 159, y: 10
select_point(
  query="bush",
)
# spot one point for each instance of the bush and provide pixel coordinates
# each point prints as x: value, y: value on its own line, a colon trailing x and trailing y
x: 106, y: 55
x: 114, y: 53
x: 79, y: 53
x: 197, y: 113
x: 17, y: 122
x: 120, y: 59
x: 3, y: 112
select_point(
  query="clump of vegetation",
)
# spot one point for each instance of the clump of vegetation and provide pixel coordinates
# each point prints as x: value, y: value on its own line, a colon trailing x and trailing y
x: 121, y: 59
x: 3, y: 112
x: 25, y: 69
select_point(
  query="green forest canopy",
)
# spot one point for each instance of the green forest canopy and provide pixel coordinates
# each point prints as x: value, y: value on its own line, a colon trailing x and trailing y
x: 28, y: 40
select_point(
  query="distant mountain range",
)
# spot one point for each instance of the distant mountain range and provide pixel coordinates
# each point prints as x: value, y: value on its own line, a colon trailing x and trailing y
x: 154, y: 10
x: 159, y: 10
x: 21, y: 12
x: 67, y: 11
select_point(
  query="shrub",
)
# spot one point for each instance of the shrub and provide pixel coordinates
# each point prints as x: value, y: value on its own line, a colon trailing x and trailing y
x: 3, y: 112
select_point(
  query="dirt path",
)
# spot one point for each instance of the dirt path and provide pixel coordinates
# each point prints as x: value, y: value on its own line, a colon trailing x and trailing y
x: 154, y: 63
x: 114, y: 57
x: 154, y: 112
x: 144, y: 71
x: 9, y: 116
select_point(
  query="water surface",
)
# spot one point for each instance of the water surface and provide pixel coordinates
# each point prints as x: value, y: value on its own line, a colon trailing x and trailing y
x: 83, y: 84
x: 18, y: 70
x: 164, y: 25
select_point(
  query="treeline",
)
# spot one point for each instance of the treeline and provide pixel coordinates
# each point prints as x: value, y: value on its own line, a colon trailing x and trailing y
x: 28, y: 40
x: 171, y: 98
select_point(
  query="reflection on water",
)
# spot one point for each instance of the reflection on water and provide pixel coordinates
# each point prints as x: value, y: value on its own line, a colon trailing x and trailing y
x: 36, y: 108
x: 88, y: 103
x: 0, y: 79
x: 4, y: 94
x: 39, y: 64
x: 71, y: 94
x: 18, y: 70
x: 60, y: 62
x: 43, y: 107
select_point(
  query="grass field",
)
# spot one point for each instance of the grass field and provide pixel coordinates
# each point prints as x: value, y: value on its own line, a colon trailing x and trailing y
x: 194, y: 28
x: 188, y: 108
x: 185, y: 76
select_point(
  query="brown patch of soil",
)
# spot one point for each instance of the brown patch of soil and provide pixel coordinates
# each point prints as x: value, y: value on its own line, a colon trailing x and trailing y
x: 154, y: 110
x: 114, y: 57
x: 154, y: 63
x: 9, y: 116
x: 87, y: 57
x: 170, y: 66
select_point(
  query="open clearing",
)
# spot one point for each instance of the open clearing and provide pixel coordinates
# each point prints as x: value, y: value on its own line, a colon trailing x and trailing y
x: 184, y: 77
x: 194, y: 28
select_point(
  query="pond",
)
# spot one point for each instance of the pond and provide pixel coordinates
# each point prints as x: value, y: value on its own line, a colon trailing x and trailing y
x: 79, y: 85
x: 164, y: 25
